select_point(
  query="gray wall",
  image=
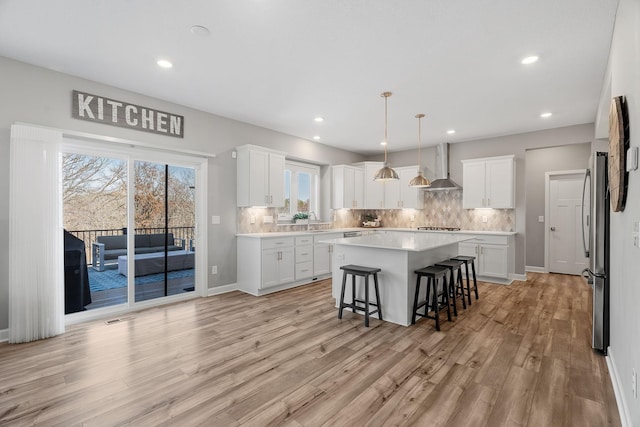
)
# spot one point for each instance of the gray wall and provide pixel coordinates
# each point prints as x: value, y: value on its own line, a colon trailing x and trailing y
x: 538, y: 162
x: 624, y: 353
x: 42, y: 97
x: 512, y: 144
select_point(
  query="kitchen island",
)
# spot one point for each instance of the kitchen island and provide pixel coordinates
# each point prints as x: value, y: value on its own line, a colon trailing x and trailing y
x: 398, y: 255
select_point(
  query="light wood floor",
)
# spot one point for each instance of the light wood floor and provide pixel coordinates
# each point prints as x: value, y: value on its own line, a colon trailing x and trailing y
x: 520, y: 356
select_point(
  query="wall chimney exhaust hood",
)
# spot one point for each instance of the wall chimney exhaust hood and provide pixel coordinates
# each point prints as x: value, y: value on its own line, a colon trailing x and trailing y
x: 445, y: 182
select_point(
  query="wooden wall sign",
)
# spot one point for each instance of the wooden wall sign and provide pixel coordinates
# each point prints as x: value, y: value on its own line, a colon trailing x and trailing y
x: 618, y: 145
x: 94, y: 108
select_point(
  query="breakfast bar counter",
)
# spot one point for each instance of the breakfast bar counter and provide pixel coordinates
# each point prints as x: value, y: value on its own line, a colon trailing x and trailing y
x: 398, y: 255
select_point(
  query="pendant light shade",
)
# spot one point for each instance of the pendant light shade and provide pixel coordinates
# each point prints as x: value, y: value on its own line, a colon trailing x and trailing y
x: 419, y: 181
x: 386, y: 173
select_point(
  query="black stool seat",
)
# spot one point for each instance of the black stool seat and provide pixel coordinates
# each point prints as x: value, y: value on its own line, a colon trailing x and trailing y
x: 469, y: 260
x: 358, y: 270
x: 455, y: 284
x: 433, y: 274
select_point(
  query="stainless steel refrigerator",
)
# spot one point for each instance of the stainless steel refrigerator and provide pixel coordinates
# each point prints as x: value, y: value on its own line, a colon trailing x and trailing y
x: 595, y: 237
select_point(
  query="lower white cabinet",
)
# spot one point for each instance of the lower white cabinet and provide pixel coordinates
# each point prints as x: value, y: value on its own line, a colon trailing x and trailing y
x: 323, y: 253
x: 277, y: 261
x: 492, y: 255
x: 269, y: 264
x: 304, y: 257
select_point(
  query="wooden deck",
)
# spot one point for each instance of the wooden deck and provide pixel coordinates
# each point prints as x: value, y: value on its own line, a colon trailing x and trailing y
x: 519, y: 356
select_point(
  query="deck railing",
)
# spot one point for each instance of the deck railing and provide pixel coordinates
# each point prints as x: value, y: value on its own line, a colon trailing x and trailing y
x: 187, y: 233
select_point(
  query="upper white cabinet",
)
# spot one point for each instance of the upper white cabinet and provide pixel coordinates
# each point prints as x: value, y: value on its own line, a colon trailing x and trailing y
x: 488, y: 183
x: 398, y: 194
x: 348, y: 187
x: 373, y: 190
x: 260, y: 179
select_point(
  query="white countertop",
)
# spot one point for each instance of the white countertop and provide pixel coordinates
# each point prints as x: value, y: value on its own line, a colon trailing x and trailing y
x: 414, y: 242
x: 381, y: 229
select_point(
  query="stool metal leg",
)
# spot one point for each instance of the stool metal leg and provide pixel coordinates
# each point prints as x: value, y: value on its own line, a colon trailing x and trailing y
x: 375, y: 283
x: 475, y: 283
x: 366, y: 301
x: 435, y: 301
x: 461, y: 286
x: 466, y: 270
x: 415, y: 299
x: 353, y: 293
x: 344, y: 284
x: 446, y: 296
x: 452, y: 292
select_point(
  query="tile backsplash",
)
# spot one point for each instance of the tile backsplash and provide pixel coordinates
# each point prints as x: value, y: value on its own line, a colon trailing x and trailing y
x: 441, y: 208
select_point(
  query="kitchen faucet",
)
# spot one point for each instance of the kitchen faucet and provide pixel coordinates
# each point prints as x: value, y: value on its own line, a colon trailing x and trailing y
x: 309, y: 219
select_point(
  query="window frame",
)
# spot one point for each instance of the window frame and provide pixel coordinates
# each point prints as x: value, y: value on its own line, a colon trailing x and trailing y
x: 294, y: 168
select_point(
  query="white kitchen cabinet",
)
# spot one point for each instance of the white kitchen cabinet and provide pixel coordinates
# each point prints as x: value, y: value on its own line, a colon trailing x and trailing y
x: 322, y: 253
x: 269, y: 264
x: 398, y: 194
x: 347, y: 185
x: 493, y: 254
x: 304, y: 257
x: 373, y: 190
x: 260, y: 176
x: 277, y: 261
x: 488, y: 183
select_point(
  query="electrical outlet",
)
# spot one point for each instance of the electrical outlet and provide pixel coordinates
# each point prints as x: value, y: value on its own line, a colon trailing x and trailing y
x: 267, y: 219
x: 634, y: 383
x: 252, y: 220
x: 484, y: 218
x: 214, y: 269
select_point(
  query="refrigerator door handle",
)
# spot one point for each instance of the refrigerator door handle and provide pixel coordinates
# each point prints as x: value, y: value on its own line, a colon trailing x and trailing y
x: 587, y: 176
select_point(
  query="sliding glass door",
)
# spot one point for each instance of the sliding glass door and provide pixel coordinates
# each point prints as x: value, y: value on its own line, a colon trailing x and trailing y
x: 164, y: 205
x: 130, y: 226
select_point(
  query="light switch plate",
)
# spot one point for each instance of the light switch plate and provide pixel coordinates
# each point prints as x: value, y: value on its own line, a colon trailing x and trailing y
x: 252, y: 219
x: 267, y: 219
x: 215, y: 219
x: 541, y: 218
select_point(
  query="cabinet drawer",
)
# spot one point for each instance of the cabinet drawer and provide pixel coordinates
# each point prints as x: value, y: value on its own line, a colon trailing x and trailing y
x: 326, y: 236
x: 304, y: 240
x: 488, y: 239
x: 304, y: 253
x: 304, y: 270
x: 277, y: 242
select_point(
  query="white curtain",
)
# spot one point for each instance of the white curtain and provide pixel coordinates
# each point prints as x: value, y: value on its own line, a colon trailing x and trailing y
x: 36, y: 270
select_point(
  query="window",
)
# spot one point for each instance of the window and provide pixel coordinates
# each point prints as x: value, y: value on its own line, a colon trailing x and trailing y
x: 300, y: 189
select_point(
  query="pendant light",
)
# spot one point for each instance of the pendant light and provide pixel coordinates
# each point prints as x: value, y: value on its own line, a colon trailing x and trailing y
x: 419, y: 181
x: 386, y: 173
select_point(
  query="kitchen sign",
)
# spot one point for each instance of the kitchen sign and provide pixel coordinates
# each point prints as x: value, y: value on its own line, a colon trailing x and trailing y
x: 99, y: 109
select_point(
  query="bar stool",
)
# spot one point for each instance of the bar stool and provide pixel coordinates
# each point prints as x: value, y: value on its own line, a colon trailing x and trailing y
x: 358, y: 270
x: 433, y: 274
x: 469, y: 260
x: 455, y: 282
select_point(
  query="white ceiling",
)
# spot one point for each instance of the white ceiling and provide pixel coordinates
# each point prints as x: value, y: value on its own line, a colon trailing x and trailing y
x: 280, y: 63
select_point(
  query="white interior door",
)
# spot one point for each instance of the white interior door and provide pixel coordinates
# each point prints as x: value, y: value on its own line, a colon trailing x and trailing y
x: 566, y: 254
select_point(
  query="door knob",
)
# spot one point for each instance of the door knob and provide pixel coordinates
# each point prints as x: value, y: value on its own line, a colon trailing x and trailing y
x: 553, y: 229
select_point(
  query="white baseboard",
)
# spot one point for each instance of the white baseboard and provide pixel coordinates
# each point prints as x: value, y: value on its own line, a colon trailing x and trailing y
x: 520, y: 277
x: 4, y: 335
x: 623, y: 410
x: 534, y: 269
x: 222, y: 289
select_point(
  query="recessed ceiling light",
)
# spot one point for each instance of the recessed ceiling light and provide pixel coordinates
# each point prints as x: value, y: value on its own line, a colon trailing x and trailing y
x: 383, y: 143
x: 319, y: 119
x: 317, y: 138
x: 545, y: 115
x: 451, y: 131
x: 199, y: 30
x: 164, y: 63
x: 529, y: 60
